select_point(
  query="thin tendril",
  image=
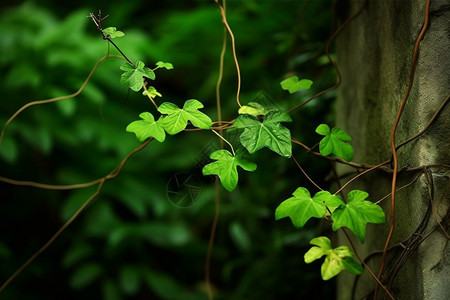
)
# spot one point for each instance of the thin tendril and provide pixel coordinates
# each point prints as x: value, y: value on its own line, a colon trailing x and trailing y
x: 229, y: 144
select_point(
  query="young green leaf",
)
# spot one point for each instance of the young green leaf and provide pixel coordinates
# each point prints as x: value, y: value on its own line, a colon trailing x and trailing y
x: 302, y: 207
x: 335, y: 141
x: 269, y: 133
x: 226, y: 168
x: 254, y: 109
x: 147, y: 127
x: 336, y: 260
x: 357, y: 213
x: 152, y: 92
x: 133, y: 75
x: 166, y: 65
x: 292, y: 84
x: 112, y: 32
x: 177, y: 118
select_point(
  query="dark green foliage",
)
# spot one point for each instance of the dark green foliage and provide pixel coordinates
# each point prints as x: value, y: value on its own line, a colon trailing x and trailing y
x: 132, y: 242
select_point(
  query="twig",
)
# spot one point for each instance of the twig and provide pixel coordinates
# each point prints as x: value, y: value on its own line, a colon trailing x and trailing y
x: 306, y: 175
x: 54, y: 99
x: 98, y: 22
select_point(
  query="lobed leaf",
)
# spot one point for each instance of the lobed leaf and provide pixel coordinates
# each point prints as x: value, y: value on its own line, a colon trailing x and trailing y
x: 226, y: 168
x: 254, y: 109
x: 133, y: 75
x: 152, y: 92
x: 336, y: 260
x: 147, y: 127
x: 269, y: 133
x: 302, y: 207
x: 292, y: 84
x: 113, y: 33
x: 166, y: 65
x: 357, y: 213
x: 335, y: 141
x: 177, y: 119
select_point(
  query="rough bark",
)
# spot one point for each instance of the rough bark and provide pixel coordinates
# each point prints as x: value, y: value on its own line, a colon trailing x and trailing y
x: 374, y: 56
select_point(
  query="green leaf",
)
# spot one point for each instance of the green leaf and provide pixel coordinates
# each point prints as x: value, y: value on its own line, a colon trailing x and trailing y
x: 226, y: 168
x: 324, y: 245
x: 110, y: 290
x: 133, y: 75
x: 336, y: 260
x: 177, y: 118
x: 166, y: 65
x: 112, y: 32
x: 147, y: 127
x: 269, y: 133
x: 84, y: 275
x: 129, y: 279
x: 254, y: 109
x: 9, y: 150
x: 302, y: 207
x: 357, y: 213
x: 240, y: 236
x: 292, y: 84
x: 152, y: 92
x: 335, y: 141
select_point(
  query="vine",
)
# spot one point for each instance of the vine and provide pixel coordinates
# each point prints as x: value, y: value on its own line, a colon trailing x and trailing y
x: 260, y: 126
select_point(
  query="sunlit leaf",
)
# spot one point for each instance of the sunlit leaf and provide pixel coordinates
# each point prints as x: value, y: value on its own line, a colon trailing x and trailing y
x: 292, y: 84
x: 177, y: 119
x: 165, y: 65
x: 254, y: 109
x: 112, y: 32
x: 152, y: 92
x: 147, y: 127
x: 336, y: 260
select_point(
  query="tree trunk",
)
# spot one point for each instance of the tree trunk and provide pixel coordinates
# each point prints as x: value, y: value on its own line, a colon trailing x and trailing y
x: 374, y: 54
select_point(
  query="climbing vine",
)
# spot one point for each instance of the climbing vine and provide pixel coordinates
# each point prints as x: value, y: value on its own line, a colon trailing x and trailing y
x: 257, y: 126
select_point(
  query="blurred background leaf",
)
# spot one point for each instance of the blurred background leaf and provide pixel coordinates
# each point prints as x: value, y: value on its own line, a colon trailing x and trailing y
x: 132, y: 242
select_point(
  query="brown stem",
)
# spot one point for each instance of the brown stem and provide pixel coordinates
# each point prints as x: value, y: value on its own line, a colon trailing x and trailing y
x: 392, y: 140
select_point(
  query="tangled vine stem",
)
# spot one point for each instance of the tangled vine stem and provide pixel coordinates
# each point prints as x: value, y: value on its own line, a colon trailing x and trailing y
x: 101, y: 182
x: 222, y: 125
x: 364, y: 264
x: 393, y: 147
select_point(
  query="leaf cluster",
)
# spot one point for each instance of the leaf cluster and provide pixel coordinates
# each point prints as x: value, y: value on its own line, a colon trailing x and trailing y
x: 354, y: 215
